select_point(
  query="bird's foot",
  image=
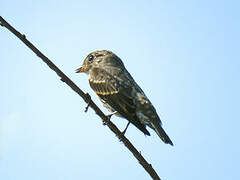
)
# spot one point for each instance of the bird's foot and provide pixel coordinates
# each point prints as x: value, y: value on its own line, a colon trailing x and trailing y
x: 124, y: 131
x: 104, y: 122
x: 108, y: 117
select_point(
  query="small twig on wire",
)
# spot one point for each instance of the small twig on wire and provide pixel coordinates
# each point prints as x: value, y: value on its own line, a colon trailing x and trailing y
x: 86, y: 109
x: 86, y: 98
x: 89, y: 97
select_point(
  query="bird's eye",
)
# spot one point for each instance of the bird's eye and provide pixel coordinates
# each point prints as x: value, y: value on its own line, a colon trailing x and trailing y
x: 90, y: 59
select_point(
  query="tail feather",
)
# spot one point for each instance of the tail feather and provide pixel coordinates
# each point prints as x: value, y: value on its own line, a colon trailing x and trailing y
x: 162, y: 134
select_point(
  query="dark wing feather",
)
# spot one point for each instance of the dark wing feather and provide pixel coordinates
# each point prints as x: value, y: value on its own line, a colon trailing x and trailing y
x: 110, y: 89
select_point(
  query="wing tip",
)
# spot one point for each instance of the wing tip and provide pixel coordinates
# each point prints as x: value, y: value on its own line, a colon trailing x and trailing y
x: 167, y: 141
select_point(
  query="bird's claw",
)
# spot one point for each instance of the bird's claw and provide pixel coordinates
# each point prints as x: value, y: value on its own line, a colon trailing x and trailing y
x: 104, y: 122
x: 124, y: 131
x: 110, y: 115
x: 108, y: 118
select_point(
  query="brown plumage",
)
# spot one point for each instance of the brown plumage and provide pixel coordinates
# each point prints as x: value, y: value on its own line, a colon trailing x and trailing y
x: 119, y: 92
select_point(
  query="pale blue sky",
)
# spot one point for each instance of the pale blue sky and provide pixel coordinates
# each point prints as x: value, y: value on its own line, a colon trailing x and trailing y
x: 184, y: 55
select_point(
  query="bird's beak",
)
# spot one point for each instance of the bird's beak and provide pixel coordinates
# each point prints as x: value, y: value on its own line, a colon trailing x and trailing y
x: 81, y: 69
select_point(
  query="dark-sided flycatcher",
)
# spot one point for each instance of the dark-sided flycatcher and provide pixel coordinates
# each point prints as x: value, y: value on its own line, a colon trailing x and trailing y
x: 119, y: 92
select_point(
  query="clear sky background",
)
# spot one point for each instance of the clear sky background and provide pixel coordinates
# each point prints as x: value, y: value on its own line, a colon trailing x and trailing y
x: 184, y: 55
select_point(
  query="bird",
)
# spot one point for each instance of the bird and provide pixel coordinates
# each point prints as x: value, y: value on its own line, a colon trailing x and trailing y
x: 119, y: 92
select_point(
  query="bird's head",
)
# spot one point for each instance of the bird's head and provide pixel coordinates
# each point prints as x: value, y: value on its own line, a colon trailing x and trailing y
x: 100, y: 59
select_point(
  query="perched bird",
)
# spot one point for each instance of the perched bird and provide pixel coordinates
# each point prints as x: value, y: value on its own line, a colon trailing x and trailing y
x: 119, y: 92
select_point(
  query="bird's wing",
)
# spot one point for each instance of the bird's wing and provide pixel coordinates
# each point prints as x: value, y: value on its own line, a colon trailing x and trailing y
x: 148, y: 113
x: 116, y: 92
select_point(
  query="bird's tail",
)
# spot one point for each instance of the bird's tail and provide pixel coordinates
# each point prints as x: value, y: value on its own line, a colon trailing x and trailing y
x: 161, y: 133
